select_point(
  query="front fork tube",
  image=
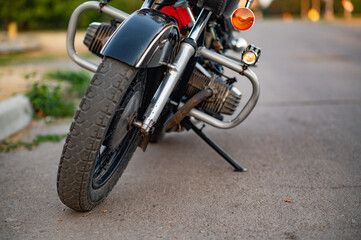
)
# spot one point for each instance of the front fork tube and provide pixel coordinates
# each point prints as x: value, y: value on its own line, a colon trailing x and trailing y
x: 176, y: 69
x: 166, y: 87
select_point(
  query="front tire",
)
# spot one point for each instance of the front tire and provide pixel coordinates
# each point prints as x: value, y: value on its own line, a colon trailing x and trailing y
x: 100, y: 143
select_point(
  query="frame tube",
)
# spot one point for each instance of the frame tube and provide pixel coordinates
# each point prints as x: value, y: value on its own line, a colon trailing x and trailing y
x: 200, y: 24
x: 249, y: 3
x: 73, y: 23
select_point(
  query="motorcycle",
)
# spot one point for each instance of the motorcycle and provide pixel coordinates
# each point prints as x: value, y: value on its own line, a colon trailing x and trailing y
x: 162, y: 70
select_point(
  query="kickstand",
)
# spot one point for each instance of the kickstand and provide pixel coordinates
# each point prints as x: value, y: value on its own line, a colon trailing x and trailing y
x: 189, y: 125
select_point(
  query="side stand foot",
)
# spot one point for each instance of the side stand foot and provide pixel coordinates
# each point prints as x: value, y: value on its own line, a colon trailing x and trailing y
x: 189, y: 125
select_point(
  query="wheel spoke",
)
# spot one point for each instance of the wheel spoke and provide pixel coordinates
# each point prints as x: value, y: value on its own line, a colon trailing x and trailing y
x: 120, y: 109
x: 108, y: 136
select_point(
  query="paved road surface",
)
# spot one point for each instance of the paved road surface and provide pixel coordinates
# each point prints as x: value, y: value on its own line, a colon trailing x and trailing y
x: 302, y: 143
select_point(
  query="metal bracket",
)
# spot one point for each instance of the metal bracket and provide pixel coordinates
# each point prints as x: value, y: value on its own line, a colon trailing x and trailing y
x: 102, y: 3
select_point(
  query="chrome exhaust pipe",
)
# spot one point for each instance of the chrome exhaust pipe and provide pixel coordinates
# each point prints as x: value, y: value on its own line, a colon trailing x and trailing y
x: 172, y: 123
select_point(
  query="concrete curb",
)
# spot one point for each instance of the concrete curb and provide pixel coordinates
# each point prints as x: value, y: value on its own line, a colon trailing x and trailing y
x: 15, y: 114
x: 19, y: 46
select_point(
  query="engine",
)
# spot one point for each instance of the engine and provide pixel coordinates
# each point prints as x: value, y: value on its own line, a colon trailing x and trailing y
x: 97, y: 35
x: 225, y: 99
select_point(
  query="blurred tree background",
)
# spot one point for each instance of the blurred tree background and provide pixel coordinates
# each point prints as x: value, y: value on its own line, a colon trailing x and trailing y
x: 278, y: 7
x: 52, y: 14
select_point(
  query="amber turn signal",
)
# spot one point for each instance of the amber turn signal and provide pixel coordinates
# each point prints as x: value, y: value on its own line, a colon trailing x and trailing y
x: 243, y: 19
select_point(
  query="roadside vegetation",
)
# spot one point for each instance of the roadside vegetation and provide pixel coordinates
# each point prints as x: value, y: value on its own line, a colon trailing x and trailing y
x: 57, y: 93
x: 49, y: 14
x: 54, y: 95
x: 7, y: 146
x: 37, y: 57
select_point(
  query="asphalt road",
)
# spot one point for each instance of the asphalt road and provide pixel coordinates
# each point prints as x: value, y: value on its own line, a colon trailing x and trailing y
x: 302, y: 143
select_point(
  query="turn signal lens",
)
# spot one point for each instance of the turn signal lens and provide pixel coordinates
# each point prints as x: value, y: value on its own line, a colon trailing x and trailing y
x: 243, y: 19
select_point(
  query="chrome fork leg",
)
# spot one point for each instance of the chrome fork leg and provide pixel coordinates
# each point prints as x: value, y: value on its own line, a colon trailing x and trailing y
x: 166, y: 87
x: 176, y: 69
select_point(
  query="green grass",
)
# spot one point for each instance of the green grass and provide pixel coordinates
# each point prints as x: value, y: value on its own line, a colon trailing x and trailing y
x: 50, y: 101
x: 78, y: 80
x: 21, y: 58
x: 6, y: 146
x: 51, y: 97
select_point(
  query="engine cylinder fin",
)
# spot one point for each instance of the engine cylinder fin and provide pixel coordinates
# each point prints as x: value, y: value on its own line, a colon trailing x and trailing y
x: 225, y: 99
x: 97, y: 35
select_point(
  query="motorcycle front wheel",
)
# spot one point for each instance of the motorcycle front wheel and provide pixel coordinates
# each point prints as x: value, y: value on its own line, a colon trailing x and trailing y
x: 102, y: 139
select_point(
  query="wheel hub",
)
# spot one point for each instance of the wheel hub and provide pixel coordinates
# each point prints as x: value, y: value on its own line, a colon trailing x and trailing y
x: 125, y: 122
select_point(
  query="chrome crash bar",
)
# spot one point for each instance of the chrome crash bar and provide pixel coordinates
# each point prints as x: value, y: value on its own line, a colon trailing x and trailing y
x: 73, y: 23
x: 247, y: 109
